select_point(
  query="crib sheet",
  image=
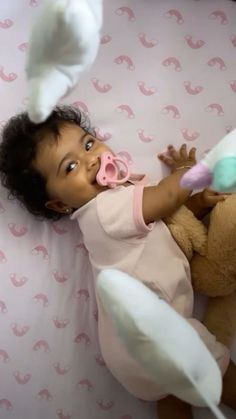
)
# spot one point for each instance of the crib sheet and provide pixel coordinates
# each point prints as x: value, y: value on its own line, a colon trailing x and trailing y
x: 165, y: 73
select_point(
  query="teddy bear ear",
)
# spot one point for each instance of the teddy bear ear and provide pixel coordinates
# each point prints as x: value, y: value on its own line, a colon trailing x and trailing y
x: 166, y: 346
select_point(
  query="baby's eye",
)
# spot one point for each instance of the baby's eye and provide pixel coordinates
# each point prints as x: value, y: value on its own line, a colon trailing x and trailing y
x: 89, y: 144
x: 71, y: 166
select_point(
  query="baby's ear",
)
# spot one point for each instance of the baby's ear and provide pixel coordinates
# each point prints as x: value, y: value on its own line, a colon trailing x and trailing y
x: 58, y: 206
x: 64, y: 42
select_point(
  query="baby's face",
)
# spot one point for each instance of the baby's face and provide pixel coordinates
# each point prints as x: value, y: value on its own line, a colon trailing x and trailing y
x: 70, y: 166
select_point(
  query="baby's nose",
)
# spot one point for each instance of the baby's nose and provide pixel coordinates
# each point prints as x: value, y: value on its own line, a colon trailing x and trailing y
x: 92, y: 161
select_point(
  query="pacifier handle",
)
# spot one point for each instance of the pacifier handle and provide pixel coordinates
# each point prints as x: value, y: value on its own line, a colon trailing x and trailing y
x: 109, y: 170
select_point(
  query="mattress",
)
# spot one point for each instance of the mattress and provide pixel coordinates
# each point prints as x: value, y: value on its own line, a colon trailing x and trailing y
x: 165, y: 73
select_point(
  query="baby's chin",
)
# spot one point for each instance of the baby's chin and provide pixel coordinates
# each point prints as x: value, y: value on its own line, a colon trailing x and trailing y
x: 100, y: 188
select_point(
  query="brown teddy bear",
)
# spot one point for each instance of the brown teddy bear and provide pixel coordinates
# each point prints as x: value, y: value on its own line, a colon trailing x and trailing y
x: 212, y: 255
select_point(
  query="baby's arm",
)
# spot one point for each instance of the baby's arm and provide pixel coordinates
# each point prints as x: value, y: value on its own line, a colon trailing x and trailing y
x: 163, y: 199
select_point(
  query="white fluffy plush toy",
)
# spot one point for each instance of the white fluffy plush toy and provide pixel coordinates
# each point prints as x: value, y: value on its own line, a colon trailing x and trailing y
x: 217, y: 169
x: 166, y: 346
x: 64, y: 42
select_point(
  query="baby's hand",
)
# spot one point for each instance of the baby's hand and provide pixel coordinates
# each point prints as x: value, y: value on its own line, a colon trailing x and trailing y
x: 177, y: 159
x: 210, y: 198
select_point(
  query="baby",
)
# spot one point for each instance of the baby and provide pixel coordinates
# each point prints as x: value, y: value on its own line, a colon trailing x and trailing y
x: 52, y: 169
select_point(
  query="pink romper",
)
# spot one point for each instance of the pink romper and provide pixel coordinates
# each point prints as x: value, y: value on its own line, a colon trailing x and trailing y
x: 116, y: 236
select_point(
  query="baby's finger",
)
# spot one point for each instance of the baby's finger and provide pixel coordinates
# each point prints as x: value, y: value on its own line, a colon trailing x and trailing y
x: 166, y: 159
x: 192, y: 153
x: 183, y: 151
x: 214, y: 199
x: 173, y: 152
x: 212, y: 192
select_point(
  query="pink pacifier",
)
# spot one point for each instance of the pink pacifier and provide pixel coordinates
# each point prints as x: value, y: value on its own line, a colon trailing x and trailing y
x: 109, y: 172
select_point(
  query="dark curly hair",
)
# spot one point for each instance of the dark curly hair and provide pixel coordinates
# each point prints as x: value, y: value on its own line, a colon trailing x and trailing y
x: 19, y: 141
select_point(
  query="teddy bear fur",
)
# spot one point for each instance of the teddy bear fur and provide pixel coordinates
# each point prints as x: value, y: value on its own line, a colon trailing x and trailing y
x: 211, y: 252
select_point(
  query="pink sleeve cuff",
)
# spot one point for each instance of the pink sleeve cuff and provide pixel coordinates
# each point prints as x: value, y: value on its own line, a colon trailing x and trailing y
x: 142, y: 227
